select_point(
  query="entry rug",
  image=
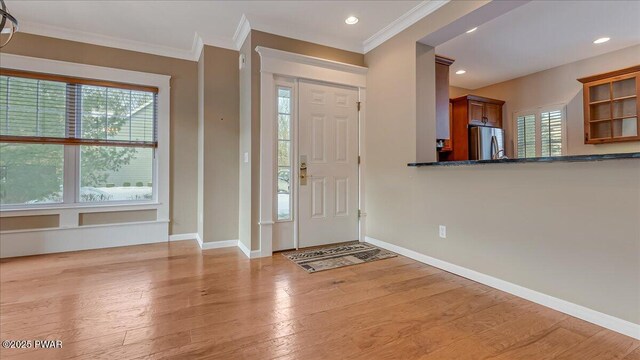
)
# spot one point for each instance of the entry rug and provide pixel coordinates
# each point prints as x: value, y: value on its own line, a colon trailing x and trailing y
x: 327, y: 258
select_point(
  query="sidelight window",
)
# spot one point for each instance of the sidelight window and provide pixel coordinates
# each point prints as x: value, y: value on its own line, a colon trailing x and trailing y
x: 284, y: 154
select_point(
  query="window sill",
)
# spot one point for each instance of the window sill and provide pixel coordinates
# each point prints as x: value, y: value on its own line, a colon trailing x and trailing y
x: 90, y: 207
x: 283, y: 221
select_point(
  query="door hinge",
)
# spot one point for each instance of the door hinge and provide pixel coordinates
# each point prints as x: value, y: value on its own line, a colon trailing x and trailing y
x: 358, y: 102
x: 359, y: 213
x: 358, y: 159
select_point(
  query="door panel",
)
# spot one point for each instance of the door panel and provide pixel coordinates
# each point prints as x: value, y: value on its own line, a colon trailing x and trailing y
x: 318, y: 199
x: 328, y: 137
x: 493, y: 114
x: 342, y: 139
x: 342, y: 197
x: 318, y: 145
x: 476, y: 112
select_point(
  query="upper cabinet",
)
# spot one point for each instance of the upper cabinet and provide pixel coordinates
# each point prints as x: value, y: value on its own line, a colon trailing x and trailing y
x: 481, y: 110
x: 611, y: 106
x: 471, y: 110
x: 442, y: 97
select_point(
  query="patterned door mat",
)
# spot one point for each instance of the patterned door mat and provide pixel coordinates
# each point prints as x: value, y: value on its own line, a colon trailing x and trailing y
x: 327, y: 258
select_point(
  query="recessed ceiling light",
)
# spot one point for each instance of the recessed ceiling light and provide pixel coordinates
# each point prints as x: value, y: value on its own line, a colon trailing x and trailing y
x: 351, y: 20
x: 460, y: 72
x: 601, y: 40
x: 472, y: 30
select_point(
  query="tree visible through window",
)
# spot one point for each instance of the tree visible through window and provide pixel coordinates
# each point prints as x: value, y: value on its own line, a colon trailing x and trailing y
x: 284, y: 154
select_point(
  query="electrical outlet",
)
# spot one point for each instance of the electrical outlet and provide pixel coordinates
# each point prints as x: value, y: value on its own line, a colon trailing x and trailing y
x: 443, y: 231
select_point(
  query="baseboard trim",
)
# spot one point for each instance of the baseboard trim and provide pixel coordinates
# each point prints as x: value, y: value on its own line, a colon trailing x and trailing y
x: 251, y: 254
x: 180, y: 237
x: 244, y: 249
x: 217, y: 244
x: 607, y: 321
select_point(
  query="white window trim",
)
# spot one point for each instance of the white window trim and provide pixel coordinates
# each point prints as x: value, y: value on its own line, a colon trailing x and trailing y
x: 160, y: 200
x: 292, y: 85
x: 536, y: 111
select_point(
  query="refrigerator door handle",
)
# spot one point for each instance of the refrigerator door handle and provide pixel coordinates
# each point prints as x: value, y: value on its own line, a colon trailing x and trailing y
x: 495, y: 148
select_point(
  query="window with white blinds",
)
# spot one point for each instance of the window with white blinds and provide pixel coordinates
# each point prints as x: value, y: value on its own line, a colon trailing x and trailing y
x: 551, y: 133
x: 40, y: 108
x: 526, y: 135
x: 540, y: 132
x: 74, y: 140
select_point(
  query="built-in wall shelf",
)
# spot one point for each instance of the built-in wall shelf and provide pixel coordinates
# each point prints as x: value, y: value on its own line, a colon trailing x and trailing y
x: 571, y: 158
x: 611, y: 106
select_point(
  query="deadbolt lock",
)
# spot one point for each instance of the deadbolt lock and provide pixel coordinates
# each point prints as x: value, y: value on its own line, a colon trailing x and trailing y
x: 303, y: 169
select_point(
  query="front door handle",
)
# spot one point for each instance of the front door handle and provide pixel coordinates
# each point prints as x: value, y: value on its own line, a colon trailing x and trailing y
x: 303, y: 173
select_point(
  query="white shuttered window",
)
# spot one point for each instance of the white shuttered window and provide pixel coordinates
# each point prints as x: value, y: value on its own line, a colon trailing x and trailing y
x: 540, y: 132
x: 551, y: 133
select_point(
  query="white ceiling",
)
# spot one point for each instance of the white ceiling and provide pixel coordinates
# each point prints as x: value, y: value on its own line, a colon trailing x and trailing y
x: 540, y: 35
x: 170, y: 27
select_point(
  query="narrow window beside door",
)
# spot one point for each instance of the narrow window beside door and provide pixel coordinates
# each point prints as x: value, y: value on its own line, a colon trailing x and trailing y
x: 284, y: 154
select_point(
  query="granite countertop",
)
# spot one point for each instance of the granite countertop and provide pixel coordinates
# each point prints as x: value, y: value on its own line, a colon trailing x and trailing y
x: 569, y: 158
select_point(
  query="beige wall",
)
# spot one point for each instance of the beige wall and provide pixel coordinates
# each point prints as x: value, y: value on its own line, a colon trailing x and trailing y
x: 455, y: 92
x: 569, y: 230
x: 183, y: 166
x: 559, y: 85
x: 219, y: 122
x: 116, y: 217
x: 251, y: 88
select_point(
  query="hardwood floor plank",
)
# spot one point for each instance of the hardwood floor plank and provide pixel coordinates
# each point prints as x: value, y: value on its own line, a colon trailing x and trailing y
x: 605, y: 345
x: 174, y: 301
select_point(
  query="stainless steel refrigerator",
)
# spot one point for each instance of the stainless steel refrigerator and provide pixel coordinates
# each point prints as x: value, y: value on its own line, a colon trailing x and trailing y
x: 486, y: 143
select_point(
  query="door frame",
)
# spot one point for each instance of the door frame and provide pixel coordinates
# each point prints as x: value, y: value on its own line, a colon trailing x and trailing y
x: 273, y: 65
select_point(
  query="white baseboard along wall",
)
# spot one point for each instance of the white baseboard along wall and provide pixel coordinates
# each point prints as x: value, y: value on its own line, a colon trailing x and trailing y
x: 607, y: 321
x: 216, y: 244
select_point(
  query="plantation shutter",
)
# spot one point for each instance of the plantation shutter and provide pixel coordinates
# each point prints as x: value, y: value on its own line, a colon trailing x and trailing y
x: 551, y: 133
x: 41, y: 108
x: 526, y: 135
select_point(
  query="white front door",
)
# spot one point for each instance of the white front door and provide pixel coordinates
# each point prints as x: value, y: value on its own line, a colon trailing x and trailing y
x: 328, y: 146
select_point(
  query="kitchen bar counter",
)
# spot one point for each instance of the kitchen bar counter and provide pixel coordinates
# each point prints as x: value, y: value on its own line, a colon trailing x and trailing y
x: 569, y: 158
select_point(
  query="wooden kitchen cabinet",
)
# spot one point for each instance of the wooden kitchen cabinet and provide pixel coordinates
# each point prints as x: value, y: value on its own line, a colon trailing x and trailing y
x: 611, y: 106
x: 443, y: 107
x: 483, y: 111
x: 471, y: 110
x: 476, y: 112
x: 493, y: 114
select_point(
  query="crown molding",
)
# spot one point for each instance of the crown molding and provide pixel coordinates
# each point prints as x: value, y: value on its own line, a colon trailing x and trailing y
x: 409, y: 18
x: 103, y: 40
x: 196, y: 47
x: 242, y: 31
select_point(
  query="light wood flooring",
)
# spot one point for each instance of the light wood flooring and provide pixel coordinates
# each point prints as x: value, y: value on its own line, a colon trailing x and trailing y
x: 172, y: 301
